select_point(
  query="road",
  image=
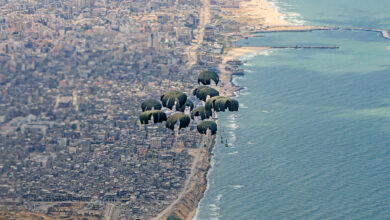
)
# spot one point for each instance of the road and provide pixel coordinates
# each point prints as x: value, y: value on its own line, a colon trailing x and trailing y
x: 204, y: 20
x: 109, y: 211
x: 186, y: 184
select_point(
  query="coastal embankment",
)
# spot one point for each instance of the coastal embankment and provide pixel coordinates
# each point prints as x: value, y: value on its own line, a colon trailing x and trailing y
x: 184, y: 207
x: 225, y: 76
x: 186, y: 203
x: 256, y: 16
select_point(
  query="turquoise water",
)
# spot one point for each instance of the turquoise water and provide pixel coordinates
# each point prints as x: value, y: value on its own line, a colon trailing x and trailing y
x: 340, y: 13
x: 312, y: 137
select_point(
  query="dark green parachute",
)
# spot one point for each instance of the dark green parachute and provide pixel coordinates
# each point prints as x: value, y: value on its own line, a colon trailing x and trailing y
x: 220, y: 104
x: 151, y: 104
x: 200, y: 111
x: 205, y: 77
x: 210, y: 104
x: 158, y: 116
x: 206, y: 125
x: 183, y: 108
x: 182, y: 118
x: 234, y: 105
x: 203, y: 91
x: 169, y: 98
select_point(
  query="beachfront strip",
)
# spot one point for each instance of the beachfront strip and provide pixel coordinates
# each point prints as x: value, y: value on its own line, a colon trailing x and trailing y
x: 73, y: 76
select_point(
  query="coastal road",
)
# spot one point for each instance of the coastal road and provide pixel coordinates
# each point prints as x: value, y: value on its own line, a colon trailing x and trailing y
x: 204, y: 20
x: 109, y: 211
x: 194, y: 167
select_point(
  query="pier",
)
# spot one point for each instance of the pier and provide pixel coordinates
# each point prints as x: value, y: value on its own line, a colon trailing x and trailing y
x: 307, y: 47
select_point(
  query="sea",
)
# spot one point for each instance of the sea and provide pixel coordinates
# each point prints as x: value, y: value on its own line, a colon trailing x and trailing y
x: 312, y: 137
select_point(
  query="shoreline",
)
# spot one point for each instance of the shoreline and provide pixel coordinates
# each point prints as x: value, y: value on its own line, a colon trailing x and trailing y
x: 256, y: 16
x: 236, y: 53
x: 273, y: 22
x: 226, y: 77
x: 186, y: 205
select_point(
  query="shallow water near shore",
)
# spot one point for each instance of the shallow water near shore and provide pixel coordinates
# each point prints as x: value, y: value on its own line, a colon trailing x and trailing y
x: 313, y: 139
x: 340, y: 13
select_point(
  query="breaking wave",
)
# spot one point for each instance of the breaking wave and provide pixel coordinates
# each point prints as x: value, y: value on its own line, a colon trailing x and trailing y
x: 237, y: 186
x: 292, y: 17
x: 233, y: 153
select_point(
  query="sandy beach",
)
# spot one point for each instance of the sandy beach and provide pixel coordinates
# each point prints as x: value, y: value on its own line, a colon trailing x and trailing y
x: 255, y: 13
x: 237, y: 52
x: 264, y: 18
x: 257, y: 16
x: 226, y: 87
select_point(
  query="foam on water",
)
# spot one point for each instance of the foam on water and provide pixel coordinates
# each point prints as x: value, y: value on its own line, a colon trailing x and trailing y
x: 214, y: 207
x: 237, y: 186
x: 233, y: 153
x: 250, y: 56
x: 233, y: 125
x: 243, y: 106
x: 317, y: 154
x: 209, y: 173
x: 234, y: 81
x: 248, y: 64
x: 244, y: 92
x: 293, y: 18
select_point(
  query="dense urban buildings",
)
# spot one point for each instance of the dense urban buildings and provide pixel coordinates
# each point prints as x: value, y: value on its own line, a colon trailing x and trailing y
x: 73, y: 75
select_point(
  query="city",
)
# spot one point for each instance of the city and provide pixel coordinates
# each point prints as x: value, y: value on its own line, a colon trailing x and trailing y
x: 72, y: 79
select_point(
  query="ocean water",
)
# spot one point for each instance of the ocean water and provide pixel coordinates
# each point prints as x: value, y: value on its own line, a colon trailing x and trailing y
x: 312, y: 137
x: 339, y: 13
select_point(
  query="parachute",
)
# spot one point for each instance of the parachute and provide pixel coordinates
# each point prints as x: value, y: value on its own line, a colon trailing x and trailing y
x: 206, y: 125
x: 205, y: 77
x: 234, y: 105
x: 220, y: 104
x: 183, y: 108
x: 151, y: 108
x: 203, y: 91
x: 200, y: 111
x: 151, y: 104
x: 183, y: 119
x: 158, y: 116
x: 171, y: 97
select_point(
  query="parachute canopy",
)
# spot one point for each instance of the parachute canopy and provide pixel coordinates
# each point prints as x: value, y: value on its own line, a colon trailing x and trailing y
x: 203, y: 91
x: 220, y: 104
x: 151, y: 104
x: 205, y: 77
x: 188, y: 103
x: 171, y: 97
x: 206, y: 125
x: 183, y: 119
x: 158, y: 116
x: 200, y: 111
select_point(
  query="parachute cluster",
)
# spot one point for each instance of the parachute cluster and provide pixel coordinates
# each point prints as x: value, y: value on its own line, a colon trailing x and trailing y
x: 178, y: 101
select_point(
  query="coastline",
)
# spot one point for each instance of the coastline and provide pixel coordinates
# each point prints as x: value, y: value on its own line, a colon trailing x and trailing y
x: 226, y: 77
x: 256, y: 16
x: 185, y: 206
